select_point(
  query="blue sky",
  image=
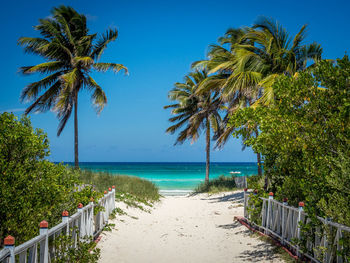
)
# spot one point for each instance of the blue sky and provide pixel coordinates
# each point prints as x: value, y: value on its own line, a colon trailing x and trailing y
x: 158, y: 40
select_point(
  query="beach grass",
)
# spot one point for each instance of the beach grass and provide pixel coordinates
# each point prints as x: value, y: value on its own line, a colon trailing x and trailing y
x: 255, y: 182
x: 127, y: 186
x: 217, y: 185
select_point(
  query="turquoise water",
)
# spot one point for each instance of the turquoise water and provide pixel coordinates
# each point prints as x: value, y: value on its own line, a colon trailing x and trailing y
x: 173, y: 176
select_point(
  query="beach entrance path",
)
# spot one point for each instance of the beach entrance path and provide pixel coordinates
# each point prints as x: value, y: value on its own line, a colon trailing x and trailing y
x: 185, y: 229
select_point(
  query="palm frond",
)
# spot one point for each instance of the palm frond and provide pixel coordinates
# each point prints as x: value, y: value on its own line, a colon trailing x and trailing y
x: 109, y: 36
x: 103, y: 67
x: 98, y: 97
x: 47, y: 67
x: 32, y: 90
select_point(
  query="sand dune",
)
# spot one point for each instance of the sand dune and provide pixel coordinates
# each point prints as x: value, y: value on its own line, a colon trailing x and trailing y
x: 185, y: 229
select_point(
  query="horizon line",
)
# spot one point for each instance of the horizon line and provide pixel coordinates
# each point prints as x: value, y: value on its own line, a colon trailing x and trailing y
x: 149, y: 162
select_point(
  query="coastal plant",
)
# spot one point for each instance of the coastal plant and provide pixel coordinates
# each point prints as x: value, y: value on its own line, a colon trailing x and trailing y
x: 220, y: 184
x: 65, y: 250
x: 304, y: 139
x: 33, y: 189
x: 195, y: 112
x: 127, y: 187
x: 71, y: 53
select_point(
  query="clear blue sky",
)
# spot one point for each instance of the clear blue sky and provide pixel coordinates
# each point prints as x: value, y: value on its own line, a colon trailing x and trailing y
x: 158, y: 40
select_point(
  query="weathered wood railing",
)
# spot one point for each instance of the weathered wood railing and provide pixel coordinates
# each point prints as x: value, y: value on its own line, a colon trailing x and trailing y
x: 241, y: 181
x: 320, y: 240
x: 81, y: 225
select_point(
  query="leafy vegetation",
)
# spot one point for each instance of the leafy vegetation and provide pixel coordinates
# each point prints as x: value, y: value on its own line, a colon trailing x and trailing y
x: 71, y: 54
x: 32, y: 189
x: 217, y: 185
x: 304, y: 138
x: 127, y: 187
x: 67, y: 251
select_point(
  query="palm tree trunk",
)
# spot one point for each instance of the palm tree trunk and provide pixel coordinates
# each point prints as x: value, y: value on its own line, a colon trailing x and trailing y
x: 258, y: 157
x: 76, y: 152
x: 208, y: 152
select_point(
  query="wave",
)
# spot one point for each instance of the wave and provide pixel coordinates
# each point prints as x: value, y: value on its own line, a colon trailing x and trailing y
x: 176, y: 180
x: 177, y: 192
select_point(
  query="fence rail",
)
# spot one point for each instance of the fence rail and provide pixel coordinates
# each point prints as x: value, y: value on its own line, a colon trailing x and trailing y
x: 241, y: 181
x: 81, y: 225
x: 319, y: 240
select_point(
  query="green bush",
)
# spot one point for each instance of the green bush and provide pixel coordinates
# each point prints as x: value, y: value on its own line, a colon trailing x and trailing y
x: 220, y: 184
x: 255, y: 182
x: 32, y: 189
x: 67, y: 251
x: 305, y: 139
x: 138, y: 187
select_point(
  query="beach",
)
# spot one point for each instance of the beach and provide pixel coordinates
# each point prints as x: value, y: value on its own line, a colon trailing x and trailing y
x: 198, y: 228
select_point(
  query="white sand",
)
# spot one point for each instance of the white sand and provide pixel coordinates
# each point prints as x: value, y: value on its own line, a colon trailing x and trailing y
x: 185, y: 229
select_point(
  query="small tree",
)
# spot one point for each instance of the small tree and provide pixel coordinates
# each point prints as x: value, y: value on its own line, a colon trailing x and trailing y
x: 32, y: 189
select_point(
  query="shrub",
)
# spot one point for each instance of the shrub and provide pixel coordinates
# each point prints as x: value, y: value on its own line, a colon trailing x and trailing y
x: 220, y: 184
x: 138, y: 187
x: 32, y: 189
x: 304, y: 139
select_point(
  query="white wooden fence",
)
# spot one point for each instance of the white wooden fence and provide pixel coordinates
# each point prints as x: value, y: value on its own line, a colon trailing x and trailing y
x: 83, y: 224
x: 324, y: 240
x: 241, y: 181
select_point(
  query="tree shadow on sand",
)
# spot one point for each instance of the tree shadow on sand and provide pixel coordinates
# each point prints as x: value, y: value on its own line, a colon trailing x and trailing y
x: 231, y: 226
x: 259, y: 252
x: 234, y: 197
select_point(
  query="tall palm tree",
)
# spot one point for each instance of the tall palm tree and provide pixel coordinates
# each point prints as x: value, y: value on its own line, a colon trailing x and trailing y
x: 246, y: 70
x: 71, y: 54
x: 196, y: 112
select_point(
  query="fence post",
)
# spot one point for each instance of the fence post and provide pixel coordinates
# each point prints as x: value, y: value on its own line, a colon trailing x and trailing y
x: 82, y: 221
x: 92, y: 221
x: 105, y: 213
x: 285, y: 203
x: 65, y: 218
x: 44, y: 245
x: 269, y: 208
x: 327, y: 254
x: 110, y: 201
x: 9, y: 243
x: 301, y: 208
x: 245, y: 203
x: 113, y: 190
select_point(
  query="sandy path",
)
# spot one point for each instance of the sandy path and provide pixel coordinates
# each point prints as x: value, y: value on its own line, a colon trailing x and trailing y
x: 185, y: 229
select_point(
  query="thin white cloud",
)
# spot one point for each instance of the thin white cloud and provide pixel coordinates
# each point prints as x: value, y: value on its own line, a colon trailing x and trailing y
x: 91, y: 17
x: 13, y: 110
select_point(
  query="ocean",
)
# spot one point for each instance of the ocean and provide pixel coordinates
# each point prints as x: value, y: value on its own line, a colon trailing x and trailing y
x: 172, y: 178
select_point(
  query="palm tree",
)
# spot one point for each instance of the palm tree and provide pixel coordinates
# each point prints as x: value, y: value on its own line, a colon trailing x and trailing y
x: 71, y: 53
x: 195, y: 112
x: 246, y: 70
x: 270, y: 52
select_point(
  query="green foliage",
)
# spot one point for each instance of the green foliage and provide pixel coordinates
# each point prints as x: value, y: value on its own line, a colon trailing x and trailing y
x: 255, y: 182
x: 32, y: 189
x: 304, y: 139
x: 220, y: 184
x: 84, y: 251
x: 140, y: 189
